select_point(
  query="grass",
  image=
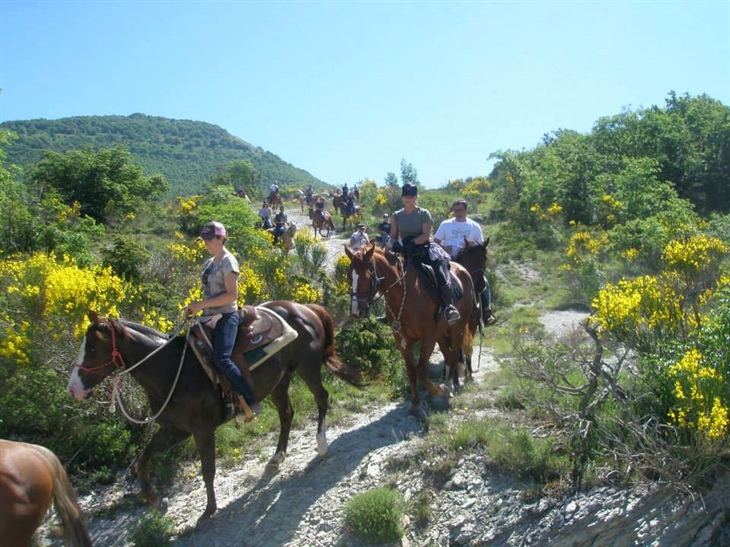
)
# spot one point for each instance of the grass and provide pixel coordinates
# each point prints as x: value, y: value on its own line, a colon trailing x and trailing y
x: 376, y: 515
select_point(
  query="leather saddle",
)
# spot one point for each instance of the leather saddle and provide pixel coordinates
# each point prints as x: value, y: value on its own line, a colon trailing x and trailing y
x: 428, y: 278
x: 257, y: 327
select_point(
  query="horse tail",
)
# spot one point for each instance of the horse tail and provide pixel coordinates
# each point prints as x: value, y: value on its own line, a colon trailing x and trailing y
x: 75, y: 529
x: 331, y: 360
x: 332, y: 223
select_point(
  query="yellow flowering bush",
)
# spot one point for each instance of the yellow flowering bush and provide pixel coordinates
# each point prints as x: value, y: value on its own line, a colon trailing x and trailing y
x: 696, y: 254
x: 699, y: 391
x: 632, y: 309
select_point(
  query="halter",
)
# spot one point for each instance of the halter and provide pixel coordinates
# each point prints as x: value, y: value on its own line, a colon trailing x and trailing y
x: 118, y: 361
x: 370, y: 297
x: 116, y: 357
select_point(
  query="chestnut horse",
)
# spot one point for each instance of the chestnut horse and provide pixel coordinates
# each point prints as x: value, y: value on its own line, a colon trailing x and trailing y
x: 413, y: 314
x: 30, y: 477
x: 195, y: 406
x: 321, y: 222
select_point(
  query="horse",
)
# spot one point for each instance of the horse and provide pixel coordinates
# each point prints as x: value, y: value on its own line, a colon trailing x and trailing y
x: 286, y: 240
x: 413, y: 314
x: 350, y: 212
x: 275, y: 199
x: 187, y: 402
x: 322, y: 223
x: 30, y: 477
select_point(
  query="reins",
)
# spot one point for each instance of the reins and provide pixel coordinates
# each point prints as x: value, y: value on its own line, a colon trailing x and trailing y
x: 116, y: 357
x: 402, y: 280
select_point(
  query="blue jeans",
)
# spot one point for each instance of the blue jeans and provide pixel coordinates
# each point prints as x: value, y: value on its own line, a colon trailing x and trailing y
x: 224, y: 338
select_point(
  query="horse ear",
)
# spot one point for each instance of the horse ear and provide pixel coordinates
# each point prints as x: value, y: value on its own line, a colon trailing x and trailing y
x: 486, y: 242
x: 348, y: 252
x: 93, y: 317
x: 369, y: 253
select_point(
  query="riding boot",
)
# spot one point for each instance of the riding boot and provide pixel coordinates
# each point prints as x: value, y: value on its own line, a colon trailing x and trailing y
x: 487, y: 315
x: 451, y: 314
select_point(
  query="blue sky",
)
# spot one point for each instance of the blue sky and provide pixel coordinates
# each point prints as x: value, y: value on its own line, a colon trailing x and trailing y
x: 346, y: 90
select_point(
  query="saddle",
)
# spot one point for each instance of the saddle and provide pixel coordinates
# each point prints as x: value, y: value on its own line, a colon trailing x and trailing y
x: 261, y: 334
x: 428, y: 277
x: 257, y: 327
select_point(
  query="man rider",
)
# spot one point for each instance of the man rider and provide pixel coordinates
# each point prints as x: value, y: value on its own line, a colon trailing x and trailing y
x: 450, y: 235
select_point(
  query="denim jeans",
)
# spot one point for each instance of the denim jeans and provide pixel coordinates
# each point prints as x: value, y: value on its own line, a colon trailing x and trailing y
x: 224, y: 338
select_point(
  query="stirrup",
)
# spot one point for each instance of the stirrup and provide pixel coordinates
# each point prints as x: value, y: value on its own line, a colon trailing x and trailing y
x: 452, y: 315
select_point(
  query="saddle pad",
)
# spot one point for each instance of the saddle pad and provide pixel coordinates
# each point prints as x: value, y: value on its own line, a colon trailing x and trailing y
x: 255, y: 355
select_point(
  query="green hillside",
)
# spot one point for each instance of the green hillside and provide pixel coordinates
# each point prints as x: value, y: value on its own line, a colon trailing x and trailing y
x: 188, y: 153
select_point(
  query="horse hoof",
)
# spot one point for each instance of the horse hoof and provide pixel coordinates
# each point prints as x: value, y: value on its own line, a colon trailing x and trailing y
x: 277, y: 459
x: 163, y: 505
x: 418, y: 414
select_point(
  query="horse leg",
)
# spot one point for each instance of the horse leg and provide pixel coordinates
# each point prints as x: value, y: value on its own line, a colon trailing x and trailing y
x: 313, y: 378
x: 407, y: 353
x: 205, y: 441
x: 427, y: 345
x: 163, y: 440
x: 280, y: 398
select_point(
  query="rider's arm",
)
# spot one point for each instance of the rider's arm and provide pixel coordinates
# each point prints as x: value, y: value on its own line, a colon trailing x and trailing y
x: 231, y: 295
x: 425, y: 234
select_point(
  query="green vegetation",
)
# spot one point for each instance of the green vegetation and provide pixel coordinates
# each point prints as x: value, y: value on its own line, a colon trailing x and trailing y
x: 153, y: 530
x: 189, y: 154
x: 375, y: 515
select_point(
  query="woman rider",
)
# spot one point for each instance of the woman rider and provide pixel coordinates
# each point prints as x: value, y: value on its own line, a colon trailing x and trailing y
x: 412, y: 225
x: 220, y: 295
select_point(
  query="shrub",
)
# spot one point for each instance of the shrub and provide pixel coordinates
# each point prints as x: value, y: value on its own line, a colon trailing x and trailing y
x: 376, y: 515
x: 153, y: 530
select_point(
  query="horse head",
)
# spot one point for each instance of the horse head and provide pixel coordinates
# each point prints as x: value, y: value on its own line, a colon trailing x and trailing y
x: 99, y: 356
x: 363, y: 280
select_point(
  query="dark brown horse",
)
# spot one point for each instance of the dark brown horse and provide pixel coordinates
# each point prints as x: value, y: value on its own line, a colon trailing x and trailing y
x: 322, y: 222
x: 30, y: 477
x: 195, y: 405
x: 413, y: 313
x: 473, y: 256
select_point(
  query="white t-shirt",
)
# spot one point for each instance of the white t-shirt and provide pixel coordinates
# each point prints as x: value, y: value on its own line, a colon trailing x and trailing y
x: 358, y: 240
x: 451, y: 233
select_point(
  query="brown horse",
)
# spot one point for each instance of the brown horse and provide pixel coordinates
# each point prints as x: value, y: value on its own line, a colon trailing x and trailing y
x: 473, y: 256
x: 413, y: 313
x: 322, y: 223
x: 30, y: 477
x: 286, y: 240
x: 164, y: 369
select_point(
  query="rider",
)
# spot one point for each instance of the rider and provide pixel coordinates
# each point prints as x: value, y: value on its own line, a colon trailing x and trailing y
x: 280, y: 222
x: 220, y: 295
x: 345, y: 191
x: 309, y: 193
x: 412, y: 224
x: 265, y: 215
x: 319, y: 206
x: 273, y: 191
x: 451, y: 236
x: 384, y: 229
x: 359, y: 239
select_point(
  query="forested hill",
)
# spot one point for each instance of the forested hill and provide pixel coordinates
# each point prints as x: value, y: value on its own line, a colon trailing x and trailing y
x: 188, y: 153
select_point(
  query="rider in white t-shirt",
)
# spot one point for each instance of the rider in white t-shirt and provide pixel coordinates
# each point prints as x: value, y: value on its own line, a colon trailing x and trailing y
x: 450, y: 235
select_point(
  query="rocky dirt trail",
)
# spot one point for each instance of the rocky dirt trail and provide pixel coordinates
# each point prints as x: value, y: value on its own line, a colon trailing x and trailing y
x: 301, y: 502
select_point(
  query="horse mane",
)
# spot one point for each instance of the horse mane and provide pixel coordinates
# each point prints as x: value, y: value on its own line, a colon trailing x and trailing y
x: 124, y: 326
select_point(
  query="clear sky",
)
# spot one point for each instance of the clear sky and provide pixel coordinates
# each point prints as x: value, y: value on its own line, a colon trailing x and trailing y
x: 346, y: 90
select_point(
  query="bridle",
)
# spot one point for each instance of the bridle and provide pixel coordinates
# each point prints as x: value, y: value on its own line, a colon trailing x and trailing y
x: 118, y: 361
x: 369, y: 297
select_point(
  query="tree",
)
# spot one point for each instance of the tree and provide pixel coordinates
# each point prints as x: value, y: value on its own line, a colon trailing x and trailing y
x: 408, y: 173
x: 391, y: 179
x: 241, y: 174
x: 104, y: 183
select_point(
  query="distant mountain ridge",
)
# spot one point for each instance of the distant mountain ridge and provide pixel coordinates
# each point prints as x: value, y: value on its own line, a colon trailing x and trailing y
x: 188, y: 153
